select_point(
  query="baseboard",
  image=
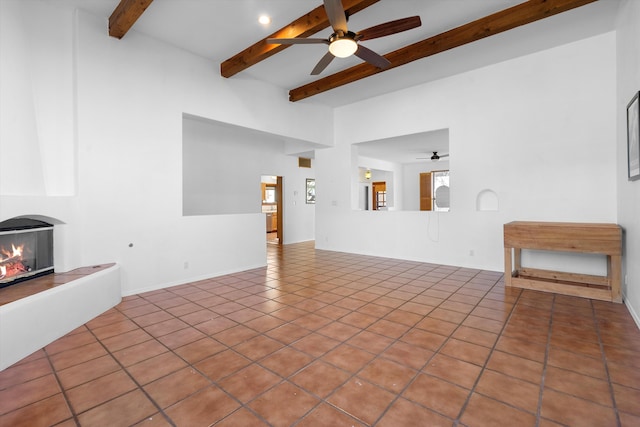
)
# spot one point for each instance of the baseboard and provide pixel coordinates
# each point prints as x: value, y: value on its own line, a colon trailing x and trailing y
x: 190, y: 280
x: 633, y: 313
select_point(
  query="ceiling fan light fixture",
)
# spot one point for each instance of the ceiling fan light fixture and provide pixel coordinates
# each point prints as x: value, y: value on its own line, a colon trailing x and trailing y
x: 343, y: 47
x: 435, y: 156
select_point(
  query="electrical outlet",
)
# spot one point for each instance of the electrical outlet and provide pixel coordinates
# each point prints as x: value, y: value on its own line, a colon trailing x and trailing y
x: 186, y: 265
x: 471, y: 253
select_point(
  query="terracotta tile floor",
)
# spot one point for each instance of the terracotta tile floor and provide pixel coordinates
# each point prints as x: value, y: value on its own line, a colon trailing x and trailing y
x: 328, y: 339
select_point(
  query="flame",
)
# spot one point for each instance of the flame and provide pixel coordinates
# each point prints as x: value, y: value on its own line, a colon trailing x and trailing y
x: 11, y: 261
x: 16, y: 251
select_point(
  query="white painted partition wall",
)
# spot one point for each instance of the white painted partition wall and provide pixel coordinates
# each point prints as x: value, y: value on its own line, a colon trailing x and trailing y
x: 31, y: 323
x: 537, y: 130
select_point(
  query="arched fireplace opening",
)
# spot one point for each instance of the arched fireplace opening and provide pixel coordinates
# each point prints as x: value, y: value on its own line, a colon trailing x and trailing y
x: 26, y: 250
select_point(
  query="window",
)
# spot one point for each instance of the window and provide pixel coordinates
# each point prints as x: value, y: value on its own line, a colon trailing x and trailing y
x: 381, y: 197
x: 441, y: 191
x: 434, y: 191
x: 268, y: 193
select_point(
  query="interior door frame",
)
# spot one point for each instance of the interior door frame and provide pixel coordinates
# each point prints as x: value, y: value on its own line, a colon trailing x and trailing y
x: 375, y: 187
x: 279, y: 207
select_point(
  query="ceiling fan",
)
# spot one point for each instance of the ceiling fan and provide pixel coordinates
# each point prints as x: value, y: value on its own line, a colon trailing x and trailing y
x: 344, y: 43
x: 435, y: 157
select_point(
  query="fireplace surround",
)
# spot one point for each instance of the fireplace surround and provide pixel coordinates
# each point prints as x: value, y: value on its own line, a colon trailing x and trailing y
x: 26, y: 250
x: 33, y: 313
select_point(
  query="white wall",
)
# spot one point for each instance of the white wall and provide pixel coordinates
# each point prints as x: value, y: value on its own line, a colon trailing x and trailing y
x: 120, y: 107
x: 222, y: 169
x: 628, y: 77
x: 538, y: 130
x: 299, y: 216
x: 37, y: 146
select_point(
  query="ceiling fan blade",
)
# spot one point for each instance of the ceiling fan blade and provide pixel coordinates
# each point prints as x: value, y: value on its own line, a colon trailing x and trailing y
x: 389, y: 28
x: 322, y: 64
x: 336, y: 15
x: 437, y: 156
x: 371, y: 57
x: 297, y: 41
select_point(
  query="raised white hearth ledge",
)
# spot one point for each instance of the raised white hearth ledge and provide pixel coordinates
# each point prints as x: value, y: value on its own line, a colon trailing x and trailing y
x: 30, y: 323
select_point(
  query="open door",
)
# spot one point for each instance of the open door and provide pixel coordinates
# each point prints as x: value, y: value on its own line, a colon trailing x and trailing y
x: 272, y: 207
x: 280, y: 205
x: 379, y: 195
x: 426, y: 198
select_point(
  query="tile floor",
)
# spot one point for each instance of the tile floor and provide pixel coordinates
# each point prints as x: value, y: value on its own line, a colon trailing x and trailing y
x: 322, y: 338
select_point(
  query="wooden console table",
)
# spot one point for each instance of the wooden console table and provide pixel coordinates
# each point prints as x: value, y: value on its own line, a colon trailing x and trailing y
x: 603, y: 239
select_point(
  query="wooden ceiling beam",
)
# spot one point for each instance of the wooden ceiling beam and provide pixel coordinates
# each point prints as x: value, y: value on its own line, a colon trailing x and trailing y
x: 125, y: 15
x: 306, y: 25
x: 521, y: 14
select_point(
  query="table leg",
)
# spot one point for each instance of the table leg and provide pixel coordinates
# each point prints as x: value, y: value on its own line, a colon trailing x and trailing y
x: 508, y: 267
x: 614, y: 274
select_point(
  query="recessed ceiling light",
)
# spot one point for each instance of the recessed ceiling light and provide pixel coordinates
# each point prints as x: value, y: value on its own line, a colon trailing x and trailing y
x: 264, y: 19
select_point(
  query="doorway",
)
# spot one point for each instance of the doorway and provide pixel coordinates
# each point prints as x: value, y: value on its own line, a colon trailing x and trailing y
x: 272, y: 207
x: 379, y: 195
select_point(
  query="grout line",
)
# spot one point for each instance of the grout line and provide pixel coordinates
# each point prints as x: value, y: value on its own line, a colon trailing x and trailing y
x: 126, y: 371
x: 74, y: 415
x: 193, y: 367
x: 545, y: 362
x: 436, y: 352
x: 376, y: 356
x: 484, y: 366
x: 299, y: 276
x: 606, y: 365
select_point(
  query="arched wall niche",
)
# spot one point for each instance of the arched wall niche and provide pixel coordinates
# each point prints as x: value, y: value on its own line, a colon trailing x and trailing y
x: 487, y: 201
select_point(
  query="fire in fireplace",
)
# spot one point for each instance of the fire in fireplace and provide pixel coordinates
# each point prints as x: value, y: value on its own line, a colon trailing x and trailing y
x: 26, y: 250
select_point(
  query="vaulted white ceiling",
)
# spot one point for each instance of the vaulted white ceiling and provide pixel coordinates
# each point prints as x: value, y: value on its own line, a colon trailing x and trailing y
x: 218, y: 29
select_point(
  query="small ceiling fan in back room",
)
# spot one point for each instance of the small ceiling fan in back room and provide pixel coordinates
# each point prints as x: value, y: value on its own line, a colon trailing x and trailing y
x: 435, y: 157
x: 344, y: 43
